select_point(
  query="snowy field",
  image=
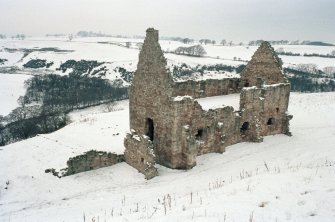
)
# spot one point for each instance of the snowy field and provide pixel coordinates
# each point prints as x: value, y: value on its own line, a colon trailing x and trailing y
x: 90, y: 49
x: 282, y: 179
x: 115, y: 54
x: 215, y: 102
x: 11, y: 88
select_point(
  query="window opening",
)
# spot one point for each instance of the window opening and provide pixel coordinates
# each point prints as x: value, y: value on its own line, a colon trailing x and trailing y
x: 246, y: 84
x: 199, y: 134
x: 149, y: 126
x: 271, y: 121
x: 245, y: 127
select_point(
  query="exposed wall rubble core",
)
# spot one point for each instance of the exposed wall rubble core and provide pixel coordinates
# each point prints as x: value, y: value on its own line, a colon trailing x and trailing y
x: 140, y: 154
x: 92, y: 160
x: 171, y: 128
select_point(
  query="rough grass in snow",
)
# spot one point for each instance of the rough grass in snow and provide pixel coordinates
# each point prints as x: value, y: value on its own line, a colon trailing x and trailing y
x: 282, y: 179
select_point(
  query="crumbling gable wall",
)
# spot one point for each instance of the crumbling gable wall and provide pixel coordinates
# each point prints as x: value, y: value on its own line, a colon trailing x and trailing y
x: 264, y: 64
x: 150, y: 100
x: 150, y: 93
x: 151, y: 86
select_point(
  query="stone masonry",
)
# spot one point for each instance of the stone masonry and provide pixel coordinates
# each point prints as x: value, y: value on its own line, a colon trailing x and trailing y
x: 169, y: 127
x: 264, y: 64
x: 140, y: 154
x: 92, y: 160
x: 206, y: 88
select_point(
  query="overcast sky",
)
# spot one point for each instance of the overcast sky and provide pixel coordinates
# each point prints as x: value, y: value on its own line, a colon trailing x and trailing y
x: 238, y: 20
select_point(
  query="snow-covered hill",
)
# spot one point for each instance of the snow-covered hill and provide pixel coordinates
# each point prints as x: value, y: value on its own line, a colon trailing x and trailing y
x: 11, y: 88
x: 282, y: 179
x: 114, y: 50
x: 113, y: 54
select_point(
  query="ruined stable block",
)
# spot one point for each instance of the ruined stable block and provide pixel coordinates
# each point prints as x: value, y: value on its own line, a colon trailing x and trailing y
x: 168, y: 125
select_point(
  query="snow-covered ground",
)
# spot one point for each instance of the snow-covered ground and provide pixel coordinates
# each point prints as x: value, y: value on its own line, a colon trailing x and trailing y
x: 282, y: 179
x: 90, y: 49
x: 114, y: 54
x: 81, y: 49
x: 11, y: 88
x: 214, y: 102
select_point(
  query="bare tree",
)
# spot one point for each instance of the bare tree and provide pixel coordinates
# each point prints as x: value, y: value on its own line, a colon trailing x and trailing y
x: 187, y: 40
x: 139, y: 45
x: 182, y: 50
x: 208, y: 41
x: 223, y: 42
x: 70, y: 37
x: 20, y: 36
x: 199, y: 50
x: 280, y: 50
x: 309, y: 67
x: 296, y: 42
x: 196, y: 50
x: 329, y: 70
x: 251, y: 43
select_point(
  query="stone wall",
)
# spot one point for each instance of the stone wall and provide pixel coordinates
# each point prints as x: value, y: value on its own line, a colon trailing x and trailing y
x: 264, y: 64
x: 265, y: 109
x: 139, y: 153
x: 197, y: 131
x: 206, y: 88
x: 92, y: 160
x: 172, y: 131
x: 151, y: 87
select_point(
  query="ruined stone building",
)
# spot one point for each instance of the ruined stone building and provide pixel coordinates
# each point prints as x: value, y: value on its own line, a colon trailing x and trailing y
x: 168, y: 125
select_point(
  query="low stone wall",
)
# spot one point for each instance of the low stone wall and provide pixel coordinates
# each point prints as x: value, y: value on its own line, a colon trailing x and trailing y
x: 92, y: 160
x: 139, y: 154
x: 206, y: 88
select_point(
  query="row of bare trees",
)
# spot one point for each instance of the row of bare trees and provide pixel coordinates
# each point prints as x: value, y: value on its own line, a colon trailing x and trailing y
x: 196, y: 50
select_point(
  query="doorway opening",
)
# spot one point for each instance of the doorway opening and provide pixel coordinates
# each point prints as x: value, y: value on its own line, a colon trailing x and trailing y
x: 200, y: 134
